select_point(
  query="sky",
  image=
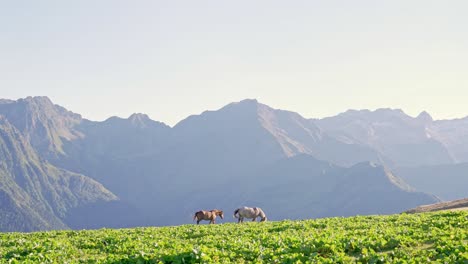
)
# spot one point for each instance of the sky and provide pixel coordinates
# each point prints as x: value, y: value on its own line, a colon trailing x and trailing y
x: 172, y: 59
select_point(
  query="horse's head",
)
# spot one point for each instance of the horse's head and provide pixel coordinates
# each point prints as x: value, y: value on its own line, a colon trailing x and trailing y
x: 262, y: 215
x: 218, y: 213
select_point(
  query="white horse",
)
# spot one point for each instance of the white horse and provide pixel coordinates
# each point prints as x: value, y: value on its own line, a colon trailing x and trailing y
x: 248, y: 212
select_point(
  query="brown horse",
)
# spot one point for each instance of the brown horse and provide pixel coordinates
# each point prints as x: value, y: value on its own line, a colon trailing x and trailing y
x: 208, y: 215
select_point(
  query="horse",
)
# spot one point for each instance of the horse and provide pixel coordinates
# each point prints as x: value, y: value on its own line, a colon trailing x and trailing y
x: 248, y: 212
x: 208, y: 215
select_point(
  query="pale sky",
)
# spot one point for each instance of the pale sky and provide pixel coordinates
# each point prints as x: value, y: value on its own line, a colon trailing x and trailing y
x: 171, y: 59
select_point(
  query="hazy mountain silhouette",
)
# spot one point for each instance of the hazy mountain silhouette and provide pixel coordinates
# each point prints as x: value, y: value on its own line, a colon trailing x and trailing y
x: 454, y: 136
x: 303, y: 187
x: 401, y: 140
x: 253, y: 124
x: 245, y: 153
x: 449, y: 181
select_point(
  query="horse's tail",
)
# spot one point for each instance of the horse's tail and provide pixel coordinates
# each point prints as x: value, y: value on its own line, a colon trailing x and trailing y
x: 236, y: 212
x: 195, y: 216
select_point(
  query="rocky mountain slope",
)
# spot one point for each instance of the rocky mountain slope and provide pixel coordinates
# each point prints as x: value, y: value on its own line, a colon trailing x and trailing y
x: 35, y: 195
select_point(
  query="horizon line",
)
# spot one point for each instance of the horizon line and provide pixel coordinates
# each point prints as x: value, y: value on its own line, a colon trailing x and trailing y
x: 371, y: 110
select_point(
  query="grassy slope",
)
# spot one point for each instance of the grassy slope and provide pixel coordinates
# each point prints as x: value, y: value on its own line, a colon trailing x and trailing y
x: 415, y: 238
x: 461, y: 204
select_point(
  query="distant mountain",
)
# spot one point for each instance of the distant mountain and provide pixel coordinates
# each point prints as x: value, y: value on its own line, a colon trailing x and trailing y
x: 35, y: 195
x: 400, y: 139
x: 454, y: 136
x: 143, y: 172
x: 213, y: 147
x: 250, y: 124
x: 108, y: 150
x: 297, y: 187
x: 45, y: 125
x: 303, y: 187
x: 449, y: 181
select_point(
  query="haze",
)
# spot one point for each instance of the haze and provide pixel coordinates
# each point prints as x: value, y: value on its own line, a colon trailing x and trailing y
x: 170, y: 59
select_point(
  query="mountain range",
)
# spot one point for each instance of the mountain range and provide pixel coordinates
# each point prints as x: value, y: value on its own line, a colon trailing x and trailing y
x: 59, y: 170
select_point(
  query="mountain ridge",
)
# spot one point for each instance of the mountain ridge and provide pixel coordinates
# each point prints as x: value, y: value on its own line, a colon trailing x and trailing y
x: 208, y: 160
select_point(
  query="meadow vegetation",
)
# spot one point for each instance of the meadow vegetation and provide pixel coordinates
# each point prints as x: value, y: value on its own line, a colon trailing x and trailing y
x: 440, y: 237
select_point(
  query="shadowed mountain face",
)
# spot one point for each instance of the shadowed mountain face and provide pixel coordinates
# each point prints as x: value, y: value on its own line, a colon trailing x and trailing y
x: 321, y: 189
x: 35, y: 195
x: 243, y: 154
x: 429, y: 155
x: 108, y: 151
x: 449, y: 182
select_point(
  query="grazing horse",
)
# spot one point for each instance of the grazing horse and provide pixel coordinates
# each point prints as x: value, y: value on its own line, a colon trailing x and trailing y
x: 208, y: 215
x: 247, y: 212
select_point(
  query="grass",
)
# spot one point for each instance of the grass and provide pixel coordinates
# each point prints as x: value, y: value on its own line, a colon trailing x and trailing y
x: 440, y: 237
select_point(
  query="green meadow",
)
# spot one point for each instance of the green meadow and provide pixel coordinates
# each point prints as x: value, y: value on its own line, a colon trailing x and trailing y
x: 440, y: 237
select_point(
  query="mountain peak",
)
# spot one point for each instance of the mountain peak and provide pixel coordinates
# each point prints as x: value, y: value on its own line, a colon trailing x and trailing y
x: 390, y: 111
x: 139, y: 116
x: 46, y: 125
x: 248, y: 101
x: 354, y: 111
x: 139, y: 119
x: 425, y: 116
x: 37, y: 100
x: 243, y: 103
x: 380, y: 112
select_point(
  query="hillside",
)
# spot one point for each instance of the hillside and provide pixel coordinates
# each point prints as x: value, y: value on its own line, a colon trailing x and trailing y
x: 34, y: 195
x: 412, y: 238
x: 461, y: 204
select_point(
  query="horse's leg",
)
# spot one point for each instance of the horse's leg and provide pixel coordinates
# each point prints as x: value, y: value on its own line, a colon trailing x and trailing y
x: 254, y: 219
x: 198, y: 221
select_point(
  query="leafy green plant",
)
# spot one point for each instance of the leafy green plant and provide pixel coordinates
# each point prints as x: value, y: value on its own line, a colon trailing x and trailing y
x: 418, y: 238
